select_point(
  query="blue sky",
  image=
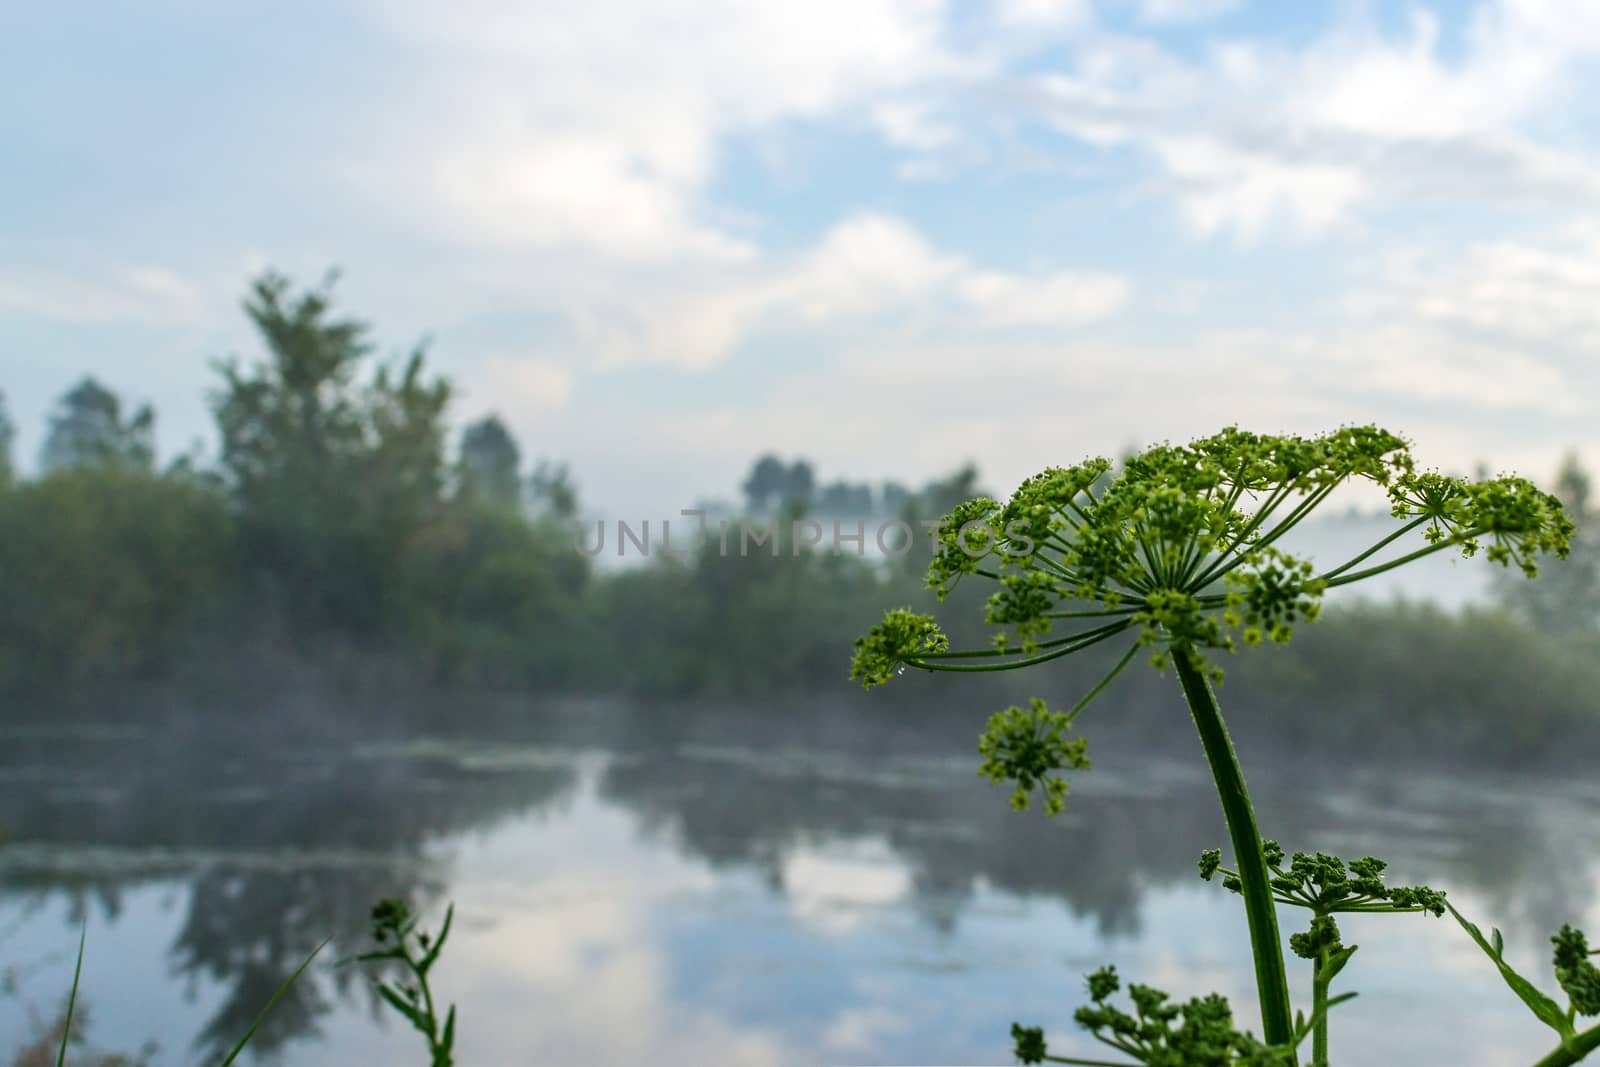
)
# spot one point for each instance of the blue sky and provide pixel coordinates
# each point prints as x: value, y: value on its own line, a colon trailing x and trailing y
x: 888, y: 235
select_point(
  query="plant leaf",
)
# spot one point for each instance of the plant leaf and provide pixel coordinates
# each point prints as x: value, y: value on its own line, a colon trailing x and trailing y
x: 1541, y: 1005
x: 284, y: 988
x: 449, y: 1038
x: 1311, y: 1023
x: 72, y: 997
x: 399, y: 1004
x: 1337, y: 961
x: 444, y: 932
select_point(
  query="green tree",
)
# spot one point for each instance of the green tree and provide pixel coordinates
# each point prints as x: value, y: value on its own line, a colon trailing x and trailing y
x: 106, y: 569
x: 8, y: 433
x: 489, y: 464
x: 940, y: 497
x: 769, y: 478
x: 88, y: 429
x: 893, y: 498
x: 553, y: 489
x: 332, y: 481
x: 800, y: 484
x: 842, y: 498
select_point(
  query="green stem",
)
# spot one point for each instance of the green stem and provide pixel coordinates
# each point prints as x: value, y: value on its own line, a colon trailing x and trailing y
x: 1089, y: 697
x: 1573, y: 1049
x: 1222, y: 563
x: 1407, y: 528
x: 1272, y: 983
x: 1319, y: 1007
x: 1449, y: 542
x: 1091, y: 637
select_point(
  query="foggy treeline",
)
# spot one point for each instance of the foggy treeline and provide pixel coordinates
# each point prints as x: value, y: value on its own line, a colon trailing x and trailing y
x: 338, y: 531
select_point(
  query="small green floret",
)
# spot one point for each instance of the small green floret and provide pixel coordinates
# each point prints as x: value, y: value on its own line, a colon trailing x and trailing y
x: 1025, y: 746
x: 1577, y: 975
x: 1328, y: 884
x: 899, y: 640
x: 1199, y: 1033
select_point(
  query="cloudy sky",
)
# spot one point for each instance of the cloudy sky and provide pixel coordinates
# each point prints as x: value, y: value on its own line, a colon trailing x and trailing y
x: 889, y: 235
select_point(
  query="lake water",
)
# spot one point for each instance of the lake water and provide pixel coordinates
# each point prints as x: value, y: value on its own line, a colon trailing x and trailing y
x: 731, y: 901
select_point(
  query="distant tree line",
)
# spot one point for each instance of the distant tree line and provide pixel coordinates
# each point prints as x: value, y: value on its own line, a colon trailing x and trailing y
x: 773, y: 486
x: 335, y: 525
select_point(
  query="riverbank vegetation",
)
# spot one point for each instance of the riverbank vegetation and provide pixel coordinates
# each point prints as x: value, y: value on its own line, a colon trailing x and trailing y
x: 345, y: 531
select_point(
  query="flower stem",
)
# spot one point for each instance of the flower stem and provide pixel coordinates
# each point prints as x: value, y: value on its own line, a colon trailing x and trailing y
x: 1573, y: 1049
x: 1272, y: 982
x: 1319, y: 1009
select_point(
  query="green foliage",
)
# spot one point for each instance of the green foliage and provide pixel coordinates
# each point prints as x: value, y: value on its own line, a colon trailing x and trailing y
x: 772, y: 483
x: 499, y: 600
x: 1441, y: 677
x: 772, y: 611
x: 1198, y: 1033
x: 88, y: 429
x: 552, y: 489
x: 107, y: 570
x: 902, y: 637
x: 1579, y: 977
x: 1145, y: 551
x: 489, y: 466
x: 331, y: 480
x: 843, y: 498
x: 1576, y: 975
x: 394, y: 927
x: 1326, y: 884
x: 1026, y: 746
x: 8, y: 434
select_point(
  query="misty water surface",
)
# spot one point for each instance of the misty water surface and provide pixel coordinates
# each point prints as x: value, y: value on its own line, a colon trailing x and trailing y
x: 715, y: 896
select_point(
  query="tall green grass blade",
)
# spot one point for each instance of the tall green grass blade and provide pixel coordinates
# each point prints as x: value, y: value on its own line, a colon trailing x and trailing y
x: 72, y: 998
x: 284, y: 988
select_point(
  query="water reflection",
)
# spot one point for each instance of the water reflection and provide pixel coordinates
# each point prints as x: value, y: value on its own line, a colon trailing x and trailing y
x: 743, y: 901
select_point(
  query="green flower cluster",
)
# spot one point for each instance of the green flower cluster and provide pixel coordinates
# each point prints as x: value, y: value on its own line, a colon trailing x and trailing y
x: 903, y: 637
x: 1327, y: 884
x: 1579, y: 977
x: 1522, y: 521
x: 1180, y: 548
x: 1025, y: 746
x: 1199, y: 1033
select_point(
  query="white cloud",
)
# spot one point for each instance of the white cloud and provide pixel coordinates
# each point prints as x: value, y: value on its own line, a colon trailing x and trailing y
x: 1220, y: 186
x: 864, y: 267
x: 859, y: 1031
x: 596, y: 128
x: 118, y: 294
x: 1489, y: 356
x: 828, y: 887
x: 910, y: 123
x: 525, y: 384
x: 1541, y: 295
x: 1035, y: 13
x: 1064, y: 300
x: 580, y: 936
x: 1258, y: 131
